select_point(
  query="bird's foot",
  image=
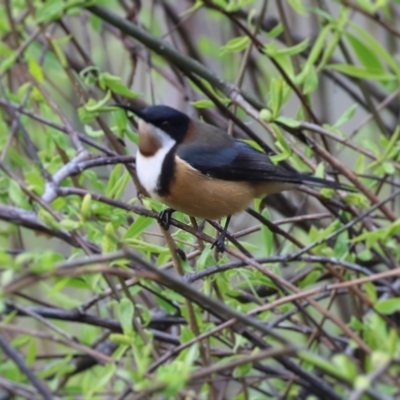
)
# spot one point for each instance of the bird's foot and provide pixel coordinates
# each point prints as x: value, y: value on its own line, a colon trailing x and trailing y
x: 164, y: 218
x: 219, y: 244
x: 181, y: 254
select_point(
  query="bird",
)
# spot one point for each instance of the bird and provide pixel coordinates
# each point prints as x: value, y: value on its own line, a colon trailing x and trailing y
x: 202, y: 171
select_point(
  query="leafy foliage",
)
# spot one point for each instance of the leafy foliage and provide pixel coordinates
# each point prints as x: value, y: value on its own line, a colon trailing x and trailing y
x: 98, y: 301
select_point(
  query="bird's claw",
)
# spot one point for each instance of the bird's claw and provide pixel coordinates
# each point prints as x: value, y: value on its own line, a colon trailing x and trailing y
x: 164, y: 218
x: 219, y: 244
x: 181, y: 254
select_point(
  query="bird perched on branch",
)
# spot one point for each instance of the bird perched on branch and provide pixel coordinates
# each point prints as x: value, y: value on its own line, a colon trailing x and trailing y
x: 202, y: 171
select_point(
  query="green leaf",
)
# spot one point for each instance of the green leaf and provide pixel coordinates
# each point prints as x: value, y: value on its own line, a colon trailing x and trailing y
x: 139, y: 225
x: 281, y: 144
x: 365, y: 53
x: 64, y: 300
x: 108, y: 243
x: 206, y: 258
x: 90, y: 75
x: 276, y: 31
x: 357, y: 199
x: 20, y: 341
x: 320, y: 170
x: 56, y: 369
x: 204, y: 103
x: 106, y: 373
x: 392, y: 229
x: 24, y: 258
x: 51, y: 9
x: 362, y: 382
x: 369, y: 6
x: 327, y: 192
x: 342, y: 245
x: 377, y: 48
x: 31, y: 353
x: 393, y: 341
x: 345, y: 365
x: 362, y: 73
x: 233, y: 5
x: 388, y: 167
x: 117, y: 181
x: 310, y: 83
x: 390, y: 147
x: 370, y: 289
x: 310, y: 279
x: 338, y: 26
x: 86, y: 206
x: 272, y: 50
x: 92, y: 133
x: 121, y: 185
x: 276, y: 95
x: 17, y: 195
x: 324, y: 365
x: 298, y: 6
x: 5, y: 51
x: 47, y: 260
x: 208, y: 47
x: 267, y: 235
x: 114, y: 83
x: 6, y: 277
x: 121, y: 339
x: 125, y: 315
x: 316, y: 50
x: 86, y: 116
x: 348, y: 114
x: 375, y: 331
x: 356, y: 324
x: 242, y: 370
x: 35, y: 69
x: 198, y: 4
x: 69, y: 224
x: 388, y: 306
x: 58, y: 50
x: 8, y: 62
x: 236, y: 44
x: 292, y: 123
x: 365, y: 255
x: 147, y: 246
x: 92, y: 105
x: 48, y: 219
x: 191, y: 356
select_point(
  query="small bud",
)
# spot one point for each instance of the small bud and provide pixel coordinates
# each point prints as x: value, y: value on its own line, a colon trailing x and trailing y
x: 266, y: 115
x: 85, y: 206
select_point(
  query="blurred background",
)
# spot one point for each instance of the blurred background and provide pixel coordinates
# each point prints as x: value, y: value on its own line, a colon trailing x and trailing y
x: 314, y: 83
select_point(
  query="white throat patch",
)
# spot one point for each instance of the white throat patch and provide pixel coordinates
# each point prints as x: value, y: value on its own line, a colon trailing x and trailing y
x: 149, y: 168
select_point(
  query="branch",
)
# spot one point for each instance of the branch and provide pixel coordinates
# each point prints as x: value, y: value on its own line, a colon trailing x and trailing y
x: 223, y: 312
x: 29, y: 219
x: 156, y: 322
x: 159, y: 46
x: 50, y: 192
x: 194, y: 276
x: 39, y: 118
x: 20, y: 362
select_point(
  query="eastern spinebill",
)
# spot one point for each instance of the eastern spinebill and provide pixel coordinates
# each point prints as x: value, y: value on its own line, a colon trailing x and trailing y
x: 199, y: 169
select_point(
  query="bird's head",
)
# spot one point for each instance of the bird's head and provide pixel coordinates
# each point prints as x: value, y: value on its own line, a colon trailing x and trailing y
x: 161, y: 120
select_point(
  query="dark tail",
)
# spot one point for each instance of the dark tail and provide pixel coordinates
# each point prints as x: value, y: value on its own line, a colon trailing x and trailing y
x: 320, y: 182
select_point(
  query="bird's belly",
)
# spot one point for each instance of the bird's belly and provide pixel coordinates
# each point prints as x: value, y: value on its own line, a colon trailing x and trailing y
x: 208, y: 206
x: 148, y: 170
x: 200, y: 196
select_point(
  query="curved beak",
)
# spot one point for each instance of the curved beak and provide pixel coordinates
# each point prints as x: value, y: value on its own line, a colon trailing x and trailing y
x: 135, y: 110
